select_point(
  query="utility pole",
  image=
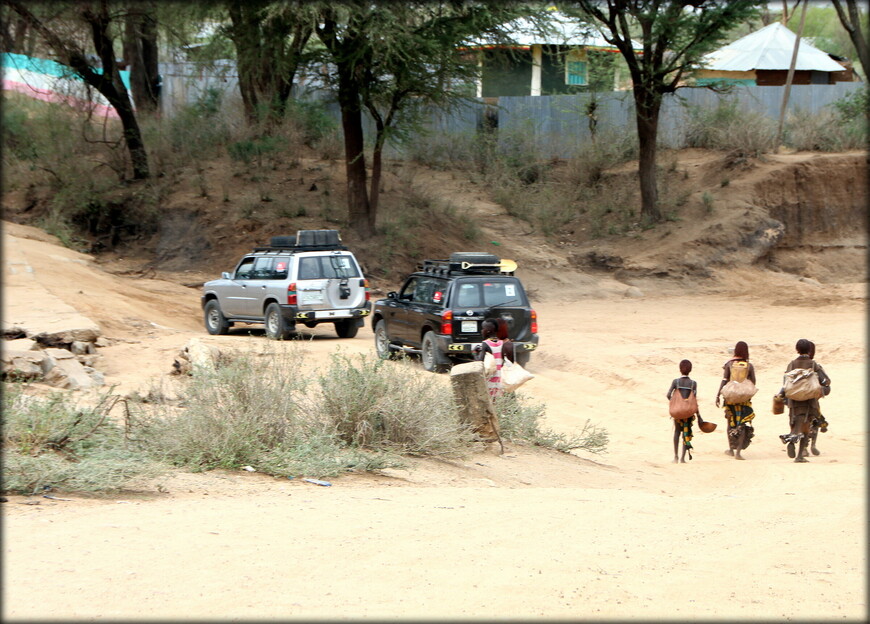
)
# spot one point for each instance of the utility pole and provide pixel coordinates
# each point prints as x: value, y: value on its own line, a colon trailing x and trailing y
x: 790, y: 77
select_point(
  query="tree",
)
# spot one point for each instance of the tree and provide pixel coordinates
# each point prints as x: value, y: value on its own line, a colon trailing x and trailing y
x: 140, y: 55
x: 270, y: 38
x: 675, y: 34
x: 391, y: 59
x: 106, y: 78
x: 856, y: 25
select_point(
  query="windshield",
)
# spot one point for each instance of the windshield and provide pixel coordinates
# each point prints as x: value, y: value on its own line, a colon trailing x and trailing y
x: 489, y: 293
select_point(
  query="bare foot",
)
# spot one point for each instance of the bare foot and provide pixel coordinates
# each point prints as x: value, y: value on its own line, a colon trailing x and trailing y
x: 801, y: 460
x: 815, y: 451
x: 675, y: 460
x: 683, y: 461
x: 739, y: 456
x: 729, y: 452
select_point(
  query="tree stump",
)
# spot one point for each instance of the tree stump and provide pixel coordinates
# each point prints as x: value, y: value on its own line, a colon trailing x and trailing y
x: 475, y: 405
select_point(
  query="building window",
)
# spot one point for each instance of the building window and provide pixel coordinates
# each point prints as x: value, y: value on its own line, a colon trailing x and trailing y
x: 576, y: 67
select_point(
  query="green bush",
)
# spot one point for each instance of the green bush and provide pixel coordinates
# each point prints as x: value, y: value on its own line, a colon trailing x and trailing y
x: 313, y: 118
x: 519, y: 419
x: 53, y: 443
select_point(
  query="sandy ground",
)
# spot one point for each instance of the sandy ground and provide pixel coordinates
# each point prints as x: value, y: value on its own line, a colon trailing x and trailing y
x: 526, y: 535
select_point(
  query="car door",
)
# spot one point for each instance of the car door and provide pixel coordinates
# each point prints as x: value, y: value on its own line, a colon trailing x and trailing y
x: 236, y: 297
x: 329, y: 284
x: 397, y: 310
x: 257, y: 285
x: 427, y: 302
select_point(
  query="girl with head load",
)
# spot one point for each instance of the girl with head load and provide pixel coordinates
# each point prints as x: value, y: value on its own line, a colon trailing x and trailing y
x: 738, y: 415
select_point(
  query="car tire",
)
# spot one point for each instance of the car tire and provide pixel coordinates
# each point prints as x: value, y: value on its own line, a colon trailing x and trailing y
x: 215, y: 322
x: 382, y: 341
x: 276, y: 326
x: 347, y: 328
x: 522, y: 358
x: 433, y: 360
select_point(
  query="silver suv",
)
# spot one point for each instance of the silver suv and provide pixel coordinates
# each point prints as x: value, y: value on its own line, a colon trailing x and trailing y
x: 310, y: 278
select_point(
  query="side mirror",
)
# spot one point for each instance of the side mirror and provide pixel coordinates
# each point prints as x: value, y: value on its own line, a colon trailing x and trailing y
x: 392, y: 295
x: 226, y: 275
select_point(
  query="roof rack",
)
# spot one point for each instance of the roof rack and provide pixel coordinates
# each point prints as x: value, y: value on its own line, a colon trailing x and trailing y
x: 448, y: 267
x: 298, y: 248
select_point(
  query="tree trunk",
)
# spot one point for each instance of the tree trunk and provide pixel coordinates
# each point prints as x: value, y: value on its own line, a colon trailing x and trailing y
x: 648, y: 106
x: 475, y: 406
x: 851, y: 21
x: 140, y: 55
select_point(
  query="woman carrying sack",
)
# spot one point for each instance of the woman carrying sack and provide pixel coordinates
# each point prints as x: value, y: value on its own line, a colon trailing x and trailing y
x: 739, y: 373
x: 683, y: 397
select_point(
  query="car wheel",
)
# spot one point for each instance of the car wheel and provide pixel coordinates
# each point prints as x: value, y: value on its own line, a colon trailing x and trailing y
x: 433, y: 360
x: 522, y: 358
x: 382, y: 341
x: 276, y: 326
x: 215, y: 323
x: 346, y: 329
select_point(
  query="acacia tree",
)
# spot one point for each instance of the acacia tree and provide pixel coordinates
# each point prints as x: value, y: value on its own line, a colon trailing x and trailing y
x: 141, y: 54
x: 856, y: 25
x: 390, y: 59
x: 270, y: 39
x: 675, y: 34
x: 106, y: 79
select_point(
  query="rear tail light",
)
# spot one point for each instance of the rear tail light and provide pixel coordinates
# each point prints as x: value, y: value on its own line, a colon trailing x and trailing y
x: 291, y: 294
x: 365, y: 284
x: 534, y: 322
x: 446, y: 322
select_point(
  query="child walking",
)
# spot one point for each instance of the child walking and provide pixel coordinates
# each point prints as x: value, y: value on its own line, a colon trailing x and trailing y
x: 683, y: 409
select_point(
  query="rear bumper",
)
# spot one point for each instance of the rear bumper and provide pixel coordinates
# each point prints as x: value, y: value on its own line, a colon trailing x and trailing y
x: 292, y: 314
x: 448, y: 346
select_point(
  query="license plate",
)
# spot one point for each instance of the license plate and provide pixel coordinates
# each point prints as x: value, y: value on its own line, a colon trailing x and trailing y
x: 469, y: 327
x: 331, y: 314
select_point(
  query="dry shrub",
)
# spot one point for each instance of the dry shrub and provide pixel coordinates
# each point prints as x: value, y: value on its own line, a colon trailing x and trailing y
x: 730, y: 128
x: 389, y: 405
x: 52, y: 443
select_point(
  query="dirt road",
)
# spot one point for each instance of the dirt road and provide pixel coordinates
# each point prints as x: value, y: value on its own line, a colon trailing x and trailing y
x: 530, y: 534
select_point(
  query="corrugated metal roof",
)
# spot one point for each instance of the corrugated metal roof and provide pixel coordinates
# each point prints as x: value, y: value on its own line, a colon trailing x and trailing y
x: 769, y: 48
x: 558, y: 30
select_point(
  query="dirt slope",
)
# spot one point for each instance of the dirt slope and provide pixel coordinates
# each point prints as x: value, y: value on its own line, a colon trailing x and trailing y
x: 530, y: 534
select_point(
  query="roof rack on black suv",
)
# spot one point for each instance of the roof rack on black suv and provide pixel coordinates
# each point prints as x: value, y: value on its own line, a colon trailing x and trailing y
x: 439, y: 310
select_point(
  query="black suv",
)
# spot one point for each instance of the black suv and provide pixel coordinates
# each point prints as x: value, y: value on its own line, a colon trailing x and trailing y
x: 439, y: 309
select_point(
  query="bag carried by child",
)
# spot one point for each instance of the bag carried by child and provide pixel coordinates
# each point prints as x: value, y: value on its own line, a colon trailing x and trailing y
x: 802, y: 384
x: 739, y: 388
x: 680, y: 408
x: 513, y: 375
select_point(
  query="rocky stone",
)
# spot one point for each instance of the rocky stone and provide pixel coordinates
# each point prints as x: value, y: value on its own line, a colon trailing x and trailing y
x: 66, y: 337
x: 77, y: 347
x: 102, y: 341
x: 70, y: 374
x: 633, y: 291
x: 23, y: 365
x: 811, y: 281
x: 20, y: 344
x: 196, y: 354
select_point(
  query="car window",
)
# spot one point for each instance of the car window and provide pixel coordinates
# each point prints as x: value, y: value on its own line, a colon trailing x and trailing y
x: 245, y: 268
x: 327, y: 267
x: 480, y: 294
x: 280, y: 270
x: 409, y: 289
x: 262, y: 268
x: 429, y: 290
